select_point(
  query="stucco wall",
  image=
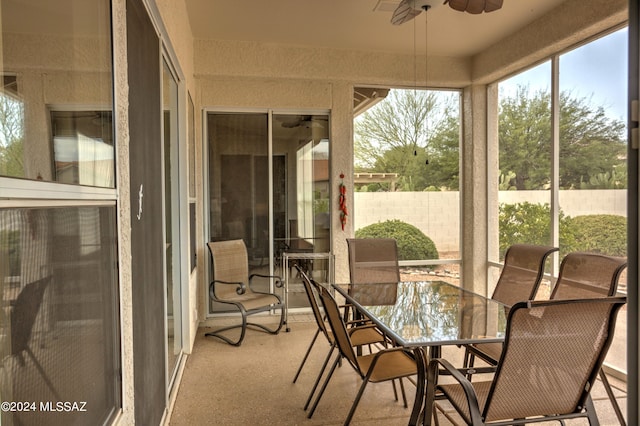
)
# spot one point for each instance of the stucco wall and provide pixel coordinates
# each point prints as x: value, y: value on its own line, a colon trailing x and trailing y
x: 121, y: 112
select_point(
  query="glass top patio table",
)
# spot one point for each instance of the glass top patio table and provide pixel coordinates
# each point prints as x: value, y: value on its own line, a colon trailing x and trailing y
x: 428, y: 313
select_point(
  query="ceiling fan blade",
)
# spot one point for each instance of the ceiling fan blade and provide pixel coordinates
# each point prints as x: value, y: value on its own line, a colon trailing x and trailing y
x: 404, y: 12
x: 475, y: 6
x: 459, y: 5
x: 492, y: 5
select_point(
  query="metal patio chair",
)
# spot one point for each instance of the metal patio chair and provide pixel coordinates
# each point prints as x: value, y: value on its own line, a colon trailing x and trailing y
x: 591, y: 275
x: 361, y: 334
x: 583, y: 275
x: 384, y: 365
x: 231, y: 284
x: 552, y: 354
x: 519, y: 280
x: 373, y: 261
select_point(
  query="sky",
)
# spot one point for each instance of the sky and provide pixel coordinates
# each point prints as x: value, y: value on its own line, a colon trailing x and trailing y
x: 597, y: 70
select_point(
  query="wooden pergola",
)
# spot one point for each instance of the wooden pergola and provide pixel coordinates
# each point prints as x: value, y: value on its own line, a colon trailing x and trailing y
x: 364, y: 178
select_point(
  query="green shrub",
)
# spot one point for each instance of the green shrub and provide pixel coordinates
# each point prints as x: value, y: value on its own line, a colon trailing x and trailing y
x: 530, y: 223
x: 413, y: 244
x: 601, y: 233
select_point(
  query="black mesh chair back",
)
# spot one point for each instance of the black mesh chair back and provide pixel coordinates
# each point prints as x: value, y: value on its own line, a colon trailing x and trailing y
x: 373, y: 261
x: 522, y: 273
x: 584, y: 275
x: 519, y: 280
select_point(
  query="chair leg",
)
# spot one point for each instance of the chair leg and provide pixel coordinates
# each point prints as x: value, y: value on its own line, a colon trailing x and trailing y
x: 612, y: 398
x: 306, y: 355
x: 238, y: 342
x: 404, y: 395
x: 324, y: 387
x: 395, y: 391
x: 429, y: 412
x: 322, y: 369
x: 244, y: 326
x: 591, y: 412
x: 469, y: 361
x: 265, y: 328
x: 467, y: 356
x: 352, y: 411
x: 272, y: 330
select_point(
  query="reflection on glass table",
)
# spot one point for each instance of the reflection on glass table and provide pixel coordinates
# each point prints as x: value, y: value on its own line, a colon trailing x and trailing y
x: 429, y: 313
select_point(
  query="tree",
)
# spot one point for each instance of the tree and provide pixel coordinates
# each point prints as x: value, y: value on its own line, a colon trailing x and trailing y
x: 525, y: 139
x: 11, y: 136
x: 407, y: 130
x: 410, y: 128
x: 591, y: 143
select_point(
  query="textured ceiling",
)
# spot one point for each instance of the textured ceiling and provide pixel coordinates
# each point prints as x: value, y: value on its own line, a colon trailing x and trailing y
x: 361, y: 24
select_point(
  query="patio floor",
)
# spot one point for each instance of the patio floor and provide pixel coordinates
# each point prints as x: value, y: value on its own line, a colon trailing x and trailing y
x: 252, y: 384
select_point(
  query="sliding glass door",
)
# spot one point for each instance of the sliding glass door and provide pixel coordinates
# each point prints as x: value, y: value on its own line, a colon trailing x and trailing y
x: 269, y: 184
x: 172, y: 198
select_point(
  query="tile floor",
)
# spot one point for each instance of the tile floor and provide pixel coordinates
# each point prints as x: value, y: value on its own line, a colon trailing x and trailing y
x: 252, y: 384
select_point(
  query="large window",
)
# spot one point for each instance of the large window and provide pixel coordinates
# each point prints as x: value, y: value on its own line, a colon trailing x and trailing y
x: 60, y: 338
x: 562, y: 159
x: 59, y: 313
x: 407, y: 174
x: 562, y: 153
x: 34, y: 141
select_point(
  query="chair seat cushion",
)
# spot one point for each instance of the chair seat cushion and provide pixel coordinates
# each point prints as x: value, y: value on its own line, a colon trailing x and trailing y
x: 365, y: 336
x: 456, y: 395
x: 251, y: 300
x: 490, y: 350
x: 392, y: 364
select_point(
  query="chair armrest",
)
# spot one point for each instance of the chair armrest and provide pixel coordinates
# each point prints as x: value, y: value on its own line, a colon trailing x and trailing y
x: 359, y: 322
x: 352, y: 330
x: 432, y: 384
x: 278, y: 279
x: 242, y: 289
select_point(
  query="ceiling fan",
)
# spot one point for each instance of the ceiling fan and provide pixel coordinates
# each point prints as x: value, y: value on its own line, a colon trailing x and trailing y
x: 307, y: 121
x: 409, y: 9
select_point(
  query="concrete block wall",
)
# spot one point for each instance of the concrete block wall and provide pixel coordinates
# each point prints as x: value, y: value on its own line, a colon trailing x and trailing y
x: 437, y: 214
